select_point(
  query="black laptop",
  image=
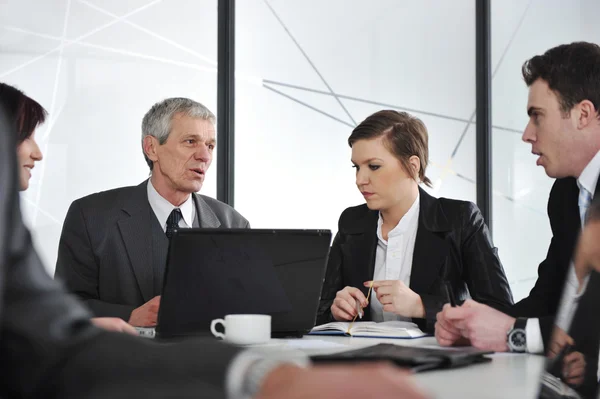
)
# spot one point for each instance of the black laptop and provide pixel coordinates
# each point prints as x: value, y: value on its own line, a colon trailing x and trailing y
x: 214, y: 272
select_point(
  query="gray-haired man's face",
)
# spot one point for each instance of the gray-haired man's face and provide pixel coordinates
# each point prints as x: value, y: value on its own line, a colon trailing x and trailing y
x: 182, y: 161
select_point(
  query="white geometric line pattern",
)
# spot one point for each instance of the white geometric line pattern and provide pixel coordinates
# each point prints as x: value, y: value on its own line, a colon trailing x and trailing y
x: 79, y: 39
x: 149, y: 32
x: 46, y: 137
x: 113, y: 50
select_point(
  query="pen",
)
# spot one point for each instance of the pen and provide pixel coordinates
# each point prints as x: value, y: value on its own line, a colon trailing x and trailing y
x: 555, y: 364
x: 449, y: 294
x: 447, y: 286
x: 359, y: 310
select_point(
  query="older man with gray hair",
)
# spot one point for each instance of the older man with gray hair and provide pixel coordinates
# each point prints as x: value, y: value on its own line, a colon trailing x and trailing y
x: 113, y: 247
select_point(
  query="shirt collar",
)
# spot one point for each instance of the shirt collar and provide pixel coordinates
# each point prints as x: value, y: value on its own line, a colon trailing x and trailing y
x: 163, y: 208
x: 407, y: 221
x: 589, y: 177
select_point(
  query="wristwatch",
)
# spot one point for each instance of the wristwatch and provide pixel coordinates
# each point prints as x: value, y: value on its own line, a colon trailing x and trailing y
x: 516, y: 337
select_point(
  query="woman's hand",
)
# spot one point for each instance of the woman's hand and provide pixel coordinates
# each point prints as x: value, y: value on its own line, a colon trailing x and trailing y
x: 398, y: 298
x: 347, y: 302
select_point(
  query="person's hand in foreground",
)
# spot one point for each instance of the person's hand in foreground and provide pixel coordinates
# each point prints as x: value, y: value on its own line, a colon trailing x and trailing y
x: 358, y: 381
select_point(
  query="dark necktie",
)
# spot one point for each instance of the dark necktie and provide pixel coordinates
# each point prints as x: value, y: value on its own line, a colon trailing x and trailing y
x: 173, y: 221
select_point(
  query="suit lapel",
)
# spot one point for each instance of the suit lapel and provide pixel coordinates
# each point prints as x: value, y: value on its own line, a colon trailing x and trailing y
x: 359, y: 250
x: 136, y: 232
x: 362, y: 249
x: 205, y: 214
x: 431, y: 249
x: 571, y: 207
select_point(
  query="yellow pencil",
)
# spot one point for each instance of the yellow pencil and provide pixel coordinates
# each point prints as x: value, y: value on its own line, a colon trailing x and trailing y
x: 352, y: 323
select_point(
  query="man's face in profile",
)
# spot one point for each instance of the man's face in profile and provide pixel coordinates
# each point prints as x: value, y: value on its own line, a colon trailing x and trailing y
x: 550, y: 132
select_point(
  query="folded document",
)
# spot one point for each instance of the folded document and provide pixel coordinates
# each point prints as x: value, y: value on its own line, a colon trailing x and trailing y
x: 371, y: 329
x: 415, y: 358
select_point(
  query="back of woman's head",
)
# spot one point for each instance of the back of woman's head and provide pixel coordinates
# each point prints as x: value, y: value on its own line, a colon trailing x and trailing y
x: 23, y: 112
x: 404, y: 136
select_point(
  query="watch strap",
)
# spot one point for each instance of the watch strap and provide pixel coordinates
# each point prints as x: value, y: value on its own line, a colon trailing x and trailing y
x: 520, y: 323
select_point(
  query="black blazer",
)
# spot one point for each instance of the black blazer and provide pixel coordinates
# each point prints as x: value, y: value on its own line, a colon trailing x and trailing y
x: 48, y: 347
x: 450, y: 233
x: 105, y: 249
x: 544, y: 298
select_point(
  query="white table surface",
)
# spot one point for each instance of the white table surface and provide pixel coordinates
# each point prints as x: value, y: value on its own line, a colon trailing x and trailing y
x: 506, y: 376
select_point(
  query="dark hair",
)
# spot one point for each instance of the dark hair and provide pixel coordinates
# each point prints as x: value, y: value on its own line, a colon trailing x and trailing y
x: 405, y: 136
x: 572, y: 72
x: 23, y: 112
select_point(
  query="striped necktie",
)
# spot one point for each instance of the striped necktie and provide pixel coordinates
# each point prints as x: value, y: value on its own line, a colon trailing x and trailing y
x: 585, y: 198
x: 173, y: 221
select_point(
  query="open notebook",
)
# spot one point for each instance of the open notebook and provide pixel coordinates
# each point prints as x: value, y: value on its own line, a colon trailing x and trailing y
x: 371, y: 329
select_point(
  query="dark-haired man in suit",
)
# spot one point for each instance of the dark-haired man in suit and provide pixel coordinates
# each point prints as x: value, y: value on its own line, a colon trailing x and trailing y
x: 113, y: 247
x: 564, y: 133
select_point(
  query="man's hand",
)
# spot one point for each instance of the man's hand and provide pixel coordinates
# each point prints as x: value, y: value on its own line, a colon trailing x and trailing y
x: 485, y: 327
x: 398, y: 298
x: 573, y: 370
x: 573, y: 364
x: 339, y: 382
x: 559, y: 340
x: 114, y: 324
x: 146, y: 315
x: 345, y: 304
x: 446, y: 333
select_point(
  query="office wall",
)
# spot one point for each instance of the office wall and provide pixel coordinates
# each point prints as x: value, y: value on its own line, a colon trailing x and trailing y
x: 307, y: 72
x: 97, y: 66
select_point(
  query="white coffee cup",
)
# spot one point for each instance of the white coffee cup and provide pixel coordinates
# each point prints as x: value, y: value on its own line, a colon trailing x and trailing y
x: 244, y: 329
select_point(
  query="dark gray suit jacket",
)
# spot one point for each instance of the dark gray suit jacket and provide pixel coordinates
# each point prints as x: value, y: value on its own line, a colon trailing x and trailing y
x: 105, y: 249
x: 49, y: 349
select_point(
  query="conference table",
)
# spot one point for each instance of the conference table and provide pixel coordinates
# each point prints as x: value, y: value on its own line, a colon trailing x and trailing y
x: 508, y: 375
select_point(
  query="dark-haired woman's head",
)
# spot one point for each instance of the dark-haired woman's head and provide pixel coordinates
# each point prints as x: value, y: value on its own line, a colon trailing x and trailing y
x: 25, y: 114
x: 390, y: 154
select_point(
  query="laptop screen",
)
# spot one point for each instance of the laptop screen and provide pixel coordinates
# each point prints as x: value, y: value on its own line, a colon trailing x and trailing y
x: 214, y: 272
x: 571, y: 368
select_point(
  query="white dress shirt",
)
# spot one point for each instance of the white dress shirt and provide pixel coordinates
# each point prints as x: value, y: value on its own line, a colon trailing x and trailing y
x: 394, y: 256
x: 570, y: 298
x: 163, y: 208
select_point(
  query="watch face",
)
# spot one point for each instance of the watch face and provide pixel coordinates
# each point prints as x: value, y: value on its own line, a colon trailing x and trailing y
x: 517, y: 339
